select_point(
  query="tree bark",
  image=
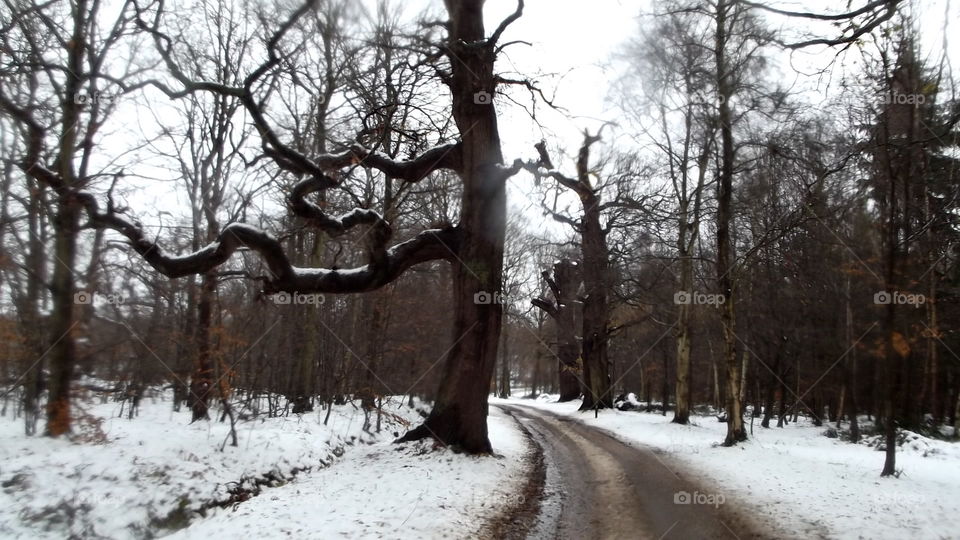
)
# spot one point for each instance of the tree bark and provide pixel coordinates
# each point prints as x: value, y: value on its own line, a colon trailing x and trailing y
x: 63, y: 351
x: 682, y: 413
x: 504, y: 387
x: 735, y: 429
x: 564, y: 285
x: 596, y: 309
x: 460, y: 411
x: 201, y: 378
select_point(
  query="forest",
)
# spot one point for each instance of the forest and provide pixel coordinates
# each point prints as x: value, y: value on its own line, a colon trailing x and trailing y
x: 219, y: 214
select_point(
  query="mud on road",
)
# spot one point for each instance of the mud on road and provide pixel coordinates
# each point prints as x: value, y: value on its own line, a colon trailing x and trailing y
x: 586, y: 484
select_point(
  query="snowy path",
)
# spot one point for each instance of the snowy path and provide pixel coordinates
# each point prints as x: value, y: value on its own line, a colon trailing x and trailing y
x: 794, y: 479
x: 385, y: 491
x: 598, y: 487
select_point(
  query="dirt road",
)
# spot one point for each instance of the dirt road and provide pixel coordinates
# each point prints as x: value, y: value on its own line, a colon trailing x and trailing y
x: 597, y: 487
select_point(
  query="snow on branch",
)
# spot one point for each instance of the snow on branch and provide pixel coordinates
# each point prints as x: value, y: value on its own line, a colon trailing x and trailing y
x: 429, y: 245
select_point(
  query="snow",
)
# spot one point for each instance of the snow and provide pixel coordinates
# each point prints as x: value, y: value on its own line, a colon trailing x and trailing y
x: 413, y: 490
x: 148, y: 476
x: 798, y: 481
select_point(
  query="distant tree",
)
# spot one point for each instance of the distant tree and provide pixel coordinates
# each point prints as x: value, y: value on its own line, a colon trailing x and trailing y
x: 563, y: 284
x: 669, y: 63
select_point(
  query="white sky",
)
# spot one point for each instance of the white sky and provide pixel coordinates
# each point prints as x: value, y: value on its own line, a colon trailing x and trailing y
x: 572, y: 42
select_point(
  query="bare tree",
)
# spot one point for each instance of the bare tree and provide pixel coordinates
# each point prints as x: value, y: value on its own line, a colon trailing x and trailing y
x: 474, y: 246
x: 62, y: 56
x: 672, y: 67
x: 564, y: 284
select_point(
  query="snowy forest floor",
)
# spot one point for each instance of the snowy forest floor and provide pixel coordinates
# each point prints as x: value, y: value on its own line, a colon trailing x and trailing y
x: 151, y: 477
x: 159, y: 476
x: 796, y: 480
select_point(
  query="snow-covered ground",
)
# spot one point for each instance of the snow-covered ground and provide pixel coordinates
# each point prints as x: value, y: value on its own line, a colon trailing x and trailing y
x: 798, y: 481
x: 387, y: 491
x: 148, y: 476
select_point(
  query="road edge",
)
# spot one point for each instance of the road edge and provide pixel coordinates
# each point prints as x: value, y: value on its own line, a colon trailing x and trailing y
x: 745, y: 512
x: 518, y: 518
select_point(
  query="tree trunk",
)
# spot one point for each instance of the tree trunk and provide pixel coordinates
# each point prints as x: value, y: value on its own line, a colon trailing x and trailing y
x: 744, y: 368
x: 537, y: 384
x: 30, y: 310
x: 735, y: 430
x: 956, y: 418
x: 201, y: 380
x: 459, y: 415
x: 63, y: 289
x: 665, y: 394
x: 682, y: 412
x: 596, y: 311
x: 185, y: 350
x: 850, y: 373
x: 504, y: 389
x: 933, y: 357
x: 567, y: 280
x: 716, y: 379
x: 771, y: 392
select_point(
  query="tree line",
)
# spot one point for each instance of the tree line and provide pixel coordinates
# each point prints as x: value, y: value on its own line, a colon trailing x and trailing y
x: 341, y: 229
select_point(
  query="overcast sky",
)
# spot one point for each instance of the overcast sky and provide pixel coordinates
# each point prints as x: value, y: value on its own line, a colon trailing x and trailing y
x: 572, y: 43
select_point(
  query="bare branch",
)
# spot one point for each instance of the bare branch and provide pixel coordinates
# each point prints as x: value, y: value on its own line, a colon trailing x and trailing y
x: 430, y: 245
x: 495, y: 37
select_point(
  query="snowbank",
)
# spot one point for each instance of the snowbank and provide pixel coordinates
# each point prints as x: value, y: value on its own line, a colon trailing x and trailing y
x: 412, y: 491
x: 148, y: 476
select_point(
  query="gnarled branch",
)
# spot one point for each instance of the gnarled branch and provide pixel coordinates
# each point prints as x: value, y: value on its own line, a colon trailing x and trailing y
x: 429, y: 245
